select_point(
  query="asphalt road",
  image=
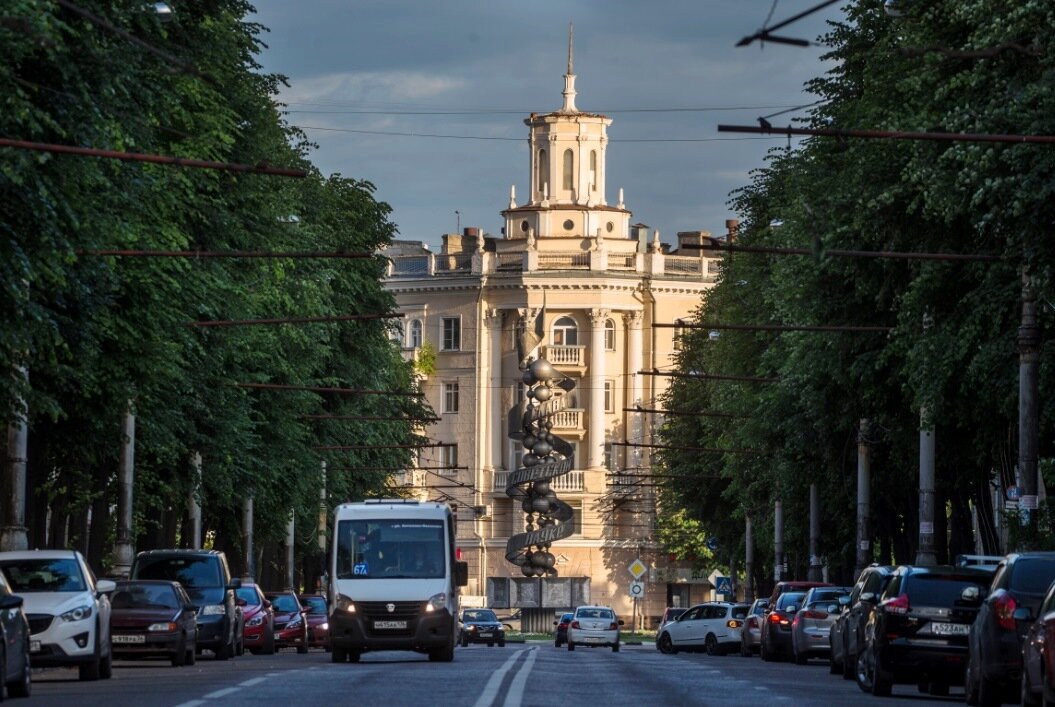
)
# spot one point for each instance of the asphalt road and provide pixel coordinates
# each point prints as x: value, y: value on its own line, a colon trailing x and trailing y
x: 519, y: 674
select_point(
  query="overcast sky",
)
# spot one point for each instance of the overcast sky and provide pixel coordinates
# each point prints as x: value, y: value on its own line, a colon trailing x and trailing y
x: 370, y: 65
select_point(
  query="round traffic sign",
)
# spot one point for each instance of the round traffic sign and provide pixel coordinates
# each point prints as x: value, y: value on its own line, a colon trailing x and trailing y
x: 637, y: 590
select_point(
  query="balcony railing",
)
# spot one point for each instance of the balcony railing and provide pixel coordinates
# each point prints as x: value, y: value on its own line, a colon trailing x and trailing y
x: 572, y: 481
x: 567, y: 420
x: 564, y: 261
x: 566, y: 355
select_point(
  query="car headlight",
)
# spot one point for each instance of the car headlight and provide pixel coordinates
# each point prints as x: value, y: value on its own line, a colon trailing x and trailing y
x: 325, y: 626
x: 213, y: 610
x: 78, y: 614
x: 472, y: 628
x: 344, y: 604
x: 437, y: 602
x: 295, y: 623
x: 163, y: 627
x: 255, y: 621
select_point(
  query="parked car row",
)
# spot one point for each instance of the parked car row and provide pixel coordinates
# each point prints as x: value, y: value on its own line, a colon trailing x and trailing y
x: 177, y: 603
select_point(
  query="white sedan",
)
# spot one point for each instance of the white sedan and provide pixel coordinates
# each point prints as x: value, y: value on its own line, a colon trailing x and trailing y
x: 594, y: 626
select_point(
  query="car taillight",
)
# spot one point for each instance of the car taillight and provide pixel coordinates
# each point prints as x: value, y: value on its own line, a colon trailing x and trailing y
x: 733, y: 623
x: 774, y: 618
x: 899, y: 605
x: 752, y: 622
x: 575, y: 624
x: 813, y: 615
x: 1005, y: 606
x: 795, y: 621
x: 613, y: 626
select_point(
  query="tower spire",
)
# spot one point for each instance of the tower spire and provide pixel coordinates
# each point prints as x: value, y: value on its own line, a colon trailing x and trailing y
x: 569, y: 78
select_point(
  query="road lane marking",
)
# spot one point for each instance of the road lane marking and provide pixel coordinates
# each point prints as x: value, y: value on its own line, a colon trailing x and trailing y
x: 491, y: 688
x: 516, y: 689
x: 192, y: 703
x: 251, y: 682
x: 222, y: 693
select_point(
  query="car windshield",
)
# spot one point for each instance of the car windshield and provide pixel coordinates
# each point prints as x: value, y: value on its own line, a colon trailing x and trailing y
x: 316, y: 604
x: 1032, y: 576
x: 758, y: 609
x: 789, y: 598
x: 479, y: 615
x: 937, y: 589
x: 390, y: 549
x: 594, y: 614
x: 286, y: 603
x: 566, y: 618
x: 190, y: 571
x: 40, y: 575
x: 144, y: 596
x: 827, y: 596
x: 248, y: 595
x: 740, y: 612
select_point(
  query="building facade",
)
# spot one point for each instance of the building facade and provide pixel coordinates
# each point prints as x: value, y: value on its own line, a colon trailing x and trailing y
x: 601, y: 286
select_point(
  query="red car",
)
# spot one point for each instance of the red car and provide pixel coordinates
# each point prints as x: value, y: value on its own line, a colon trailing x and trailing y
x: 151, y: 618
x: 318, y: 620
x: 259, y: 620
x: 291, y: 625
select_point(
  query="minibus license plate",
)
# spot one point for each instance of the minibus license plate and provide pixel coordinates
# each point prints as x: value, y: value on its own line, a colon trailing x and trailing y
x: 390, y: 624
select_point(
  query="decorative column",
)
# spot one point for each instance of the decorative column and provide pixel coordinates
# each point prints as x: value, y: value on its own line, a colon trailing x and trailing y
x: 495, y: 414
x: 635, y: 362
x: 595, y: 455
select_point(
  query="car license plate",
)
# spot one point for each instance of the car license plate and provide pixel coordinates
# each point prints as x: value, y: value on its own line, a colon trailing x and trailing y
x: 34, y: 646
x: 943, y: 629
x: 390, y: 624
x: 488, y: 634
x: 592, y: 639
x: 118, y: 638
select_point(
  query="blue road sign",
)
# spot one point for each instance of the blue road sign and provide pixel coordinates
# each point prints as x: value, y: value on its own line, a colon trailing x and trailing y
x: 723, y: 585
x: 712, y: 544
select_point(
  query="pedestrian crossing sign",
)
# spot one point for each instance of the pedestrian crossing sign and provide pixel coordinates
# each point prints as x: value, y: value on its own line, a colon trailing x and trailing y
x: 723, y: 585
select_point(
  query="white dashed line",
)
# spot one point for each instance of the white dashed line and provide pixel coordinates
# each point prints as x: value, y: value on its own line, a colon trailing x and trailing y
x: 251, y: 682
x: 222, y: 693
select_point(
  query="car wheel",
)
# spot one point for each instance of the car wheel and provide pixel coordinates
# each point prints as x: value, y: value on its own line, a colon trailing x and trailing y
x: 3, y: 675
x: 24, y: 686
x: 338, y: 655
x: 465, y: 641
x: 179, y: 658
x: 863, y: 673
x: 302, y: 650
x: 90, y: 671
x: 940, y: 689
x: 556, y: 642
x: 192, y: 656
x: 223, y: 652
x: 106, y: 664
x: 849, y: 661
x: 767, y: 654
x: 881, y: 684
x: 615, y: 647
x: 571, y: 646
x: 1027, y: 698
x: 745, y: 650
x: 666, y: 645
x: 490, y: 644
x: 354, y: 656
x: 269, y: 644
x: 834, y: 667
x: 800, y: 658
x: 502, y: 643
x: 711, y: 644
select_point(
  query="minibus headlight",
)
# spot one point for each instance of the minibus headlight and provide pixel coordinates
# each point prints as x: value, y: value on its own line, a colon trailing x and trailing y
x: 437, y: 602
x: 345, y: 604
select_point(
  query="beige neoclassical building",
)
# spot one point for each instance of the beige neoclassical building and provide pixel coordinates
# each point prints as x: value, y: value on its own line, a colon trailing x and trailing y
x: 601, y: 285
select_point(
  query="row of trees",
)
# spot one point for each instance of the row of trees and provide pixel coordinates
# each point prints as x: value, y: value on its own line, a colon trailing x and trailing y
x: 84, y: 336
x: 961, y: 66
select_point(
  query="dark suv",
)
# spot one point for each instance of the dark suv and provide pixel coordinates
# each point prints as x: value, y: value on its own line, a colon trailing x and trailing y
x: 995, y: 664
x: 848, y: 630
x: 206, y: 577
x: 917, y: 633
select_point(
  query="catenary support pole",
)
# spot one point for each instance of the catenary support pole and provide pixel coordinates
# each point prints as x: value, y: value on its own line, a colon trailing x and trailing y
x: 814, y: 572
x: 247, y: 528
x: 778, y: 541
x: 124, y: 551
x: 14, y: 537
x: 1028, y: 413
x: 194, y: 501
x: 749, y: 560
x: 291, y: 569
x: 864, y: 498
x: 925, y: 555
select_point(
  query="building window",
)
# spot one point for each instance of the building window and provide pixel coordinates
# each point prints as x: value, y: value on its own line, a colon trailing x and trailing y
x: 450, y: 397
x: 593, y: 170
x: 565, y: 332
x: 611, y: 456
x: 609, y: 396
x: 396, y: 333
x: 569, y: 169
x: 448, y: 460
x: 415, y: 334
x: 609, y: 335
x: 452, y: 334
x: 543, y: 171
x: 516, y: 455
x: 576, y: 518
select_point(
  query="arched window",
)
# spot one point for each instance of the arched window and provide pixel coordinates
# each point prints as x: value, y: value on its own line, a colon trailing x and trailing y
x: 543, y: 171
x: 569, y: 169
x: 565, y: 332
x: 415, y: 334
x: 593, y: 170
x: 396, y: 333
x: 609, y: 335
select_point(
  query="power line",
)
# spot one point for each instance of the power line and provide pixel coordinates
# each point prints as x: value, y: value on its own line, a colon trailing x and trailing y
x: 293, y: 320
x: 778, y: 327
x: 492, y: 138
x: 222, y: 254
x: 715, y: 450
x: 765, y: 34
x: 375, y: 418
x: 709, y: 376
x: 352, y: 447
x: 889, y: 134
x: 687, y: 413
x: 714, y: 244
x: 505, y: 111
x: 320, y: 389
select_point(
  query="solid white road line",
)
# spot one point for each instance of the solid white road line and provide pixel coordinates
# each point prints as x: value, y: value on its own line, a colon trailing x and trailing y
x: 491, y: 688
x: 253, y: 681
x: 516, y: 689
x: 222, y: 693
x: 192, y: 703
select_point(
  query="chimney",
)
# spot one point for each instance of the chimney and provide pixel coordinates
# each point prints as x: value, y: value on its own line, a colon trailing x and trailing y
x: 732, y: 228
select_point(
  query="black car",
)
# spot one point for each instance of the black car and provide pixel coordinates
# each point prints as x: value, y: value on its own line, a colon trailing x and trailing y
x: 15, y: 673
x: 206, y: 577
x: 994, y: 667
x: 848, y: 630
x: 481, y: 626
x: 775, y: 642
x: 917, y: 633
x: 561, y: 632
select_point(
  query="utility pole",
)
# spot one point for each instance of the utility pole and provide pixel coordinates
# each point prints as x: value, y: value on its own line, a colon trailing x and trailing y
x: 13, y: 536
x: 247, y: 527
x: 814, y: 572
x: 925, y: 553
x: 778, y: 541
x: 749, y: 560
x: 291, y: 570
x: 864, y: 498
x: 194, y: 501
x: 1028, y: 413
x: 323, y: 584
x: 124, y: 551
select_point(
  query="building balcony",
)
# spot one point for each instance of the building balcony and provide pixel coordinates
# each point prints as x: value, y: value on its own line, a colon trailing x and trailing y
x: 572, y: 481
x: 565, y: 355
x: 568, y: 420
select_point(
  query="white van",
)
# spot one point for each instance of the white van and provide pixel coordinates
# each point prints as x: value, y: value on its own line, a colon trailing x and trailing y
x: 394, y: 579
